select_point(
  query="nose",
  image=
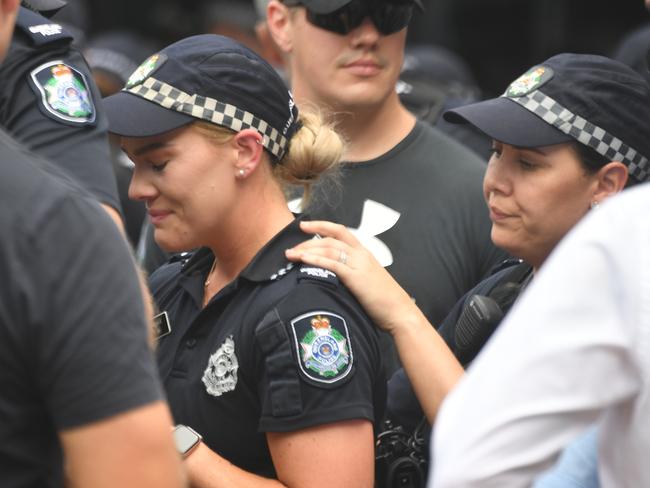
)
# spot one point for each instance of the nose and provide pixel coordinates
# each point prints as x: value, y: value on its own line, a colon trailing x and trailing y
x: 365, y: 35
x: 141, y: 187
x: 497, y: 177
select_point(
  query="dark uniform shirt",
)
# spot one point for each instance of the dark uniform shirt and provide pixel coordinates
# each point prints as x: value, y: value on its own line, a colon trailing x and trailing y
x: 73, y: 337
x: 279, y: 349
x: 49, y: 103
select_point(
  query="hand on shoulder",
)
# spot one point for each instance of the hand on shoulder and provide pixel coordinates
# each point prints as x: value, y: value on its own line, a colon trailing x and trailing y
x: 339, y: 251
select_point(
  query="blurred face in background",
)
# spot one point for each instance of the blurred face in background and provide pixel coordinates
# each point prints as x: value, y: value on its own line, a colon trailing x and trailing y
x: 535, y: 196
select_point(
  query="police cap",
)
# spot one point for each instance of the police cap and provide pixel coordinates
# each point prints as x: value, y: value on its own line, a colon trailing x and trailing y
x: 590, y: 99
x: 329, y: 6
x: 205, y: 77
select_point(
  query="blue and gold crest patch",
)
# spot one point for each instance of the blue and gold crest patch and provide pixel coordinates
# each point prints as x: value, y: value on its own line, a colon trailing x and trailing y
x: 323, y: 346
x: 64, y: 92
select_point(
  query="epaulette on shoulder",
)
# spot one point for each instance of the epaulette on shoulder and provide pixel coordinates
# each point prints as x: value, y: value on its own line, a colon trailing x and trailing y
x: 40, y: 30
x: 315, y: 273
x: 505, y: 264
x: 181, y: 257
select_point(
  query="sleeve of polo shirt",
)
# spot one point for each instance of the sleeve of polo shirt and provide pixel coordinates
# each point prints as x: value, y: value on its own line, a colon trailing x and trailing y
x: 81, y: 149
x: 90, y: 346
x: 319, y: 361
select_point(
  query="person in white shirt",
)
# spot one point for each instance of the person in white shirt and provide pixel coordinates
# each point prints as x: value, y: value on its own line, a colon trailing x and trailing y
x: 573, y: 351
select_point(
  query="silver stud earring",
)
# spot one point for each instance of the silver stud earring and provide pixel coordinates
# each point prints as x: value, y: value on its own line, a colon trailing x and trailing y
x: 242, y: 172
x: 594, y: 204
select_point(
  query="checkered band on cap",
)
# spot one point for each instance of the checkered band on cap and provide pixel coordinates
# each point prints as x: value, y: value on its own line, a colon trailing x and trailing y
x: 585, y: 132
x: 212, y: 110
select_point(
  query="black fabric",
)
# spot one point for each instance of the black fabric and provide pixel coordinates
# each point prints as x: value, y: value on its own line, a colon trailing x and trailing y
x: 82, y: 151
x: 403, y: 407
x: 73, y: 340
x: 255, y: 313
x: 440, y: 244
x: 606, y: 93
x: 209, y: 66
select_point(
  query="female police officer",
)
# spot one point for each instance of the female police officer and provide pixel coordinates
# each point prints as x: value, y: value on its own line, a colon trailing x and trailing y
x: 275, y: 366
x: 567, y: 134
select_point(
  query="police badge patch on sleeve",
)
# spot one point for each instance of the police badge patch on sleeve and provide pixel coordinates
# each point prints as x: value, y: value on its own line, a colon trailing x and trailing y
x: 322, y: 342
x: 64, y: 92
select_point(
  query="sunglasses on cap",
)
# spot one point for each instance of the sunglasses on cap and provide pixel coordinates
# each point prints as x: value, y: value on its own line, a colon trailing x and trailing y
x: 387, y: 16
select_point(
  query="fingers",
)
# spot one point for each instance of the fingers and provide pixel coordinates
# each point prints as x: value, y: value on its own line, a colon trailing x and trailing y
x: 326, y: 243
x: 330, y: 229
x: 326, y: 258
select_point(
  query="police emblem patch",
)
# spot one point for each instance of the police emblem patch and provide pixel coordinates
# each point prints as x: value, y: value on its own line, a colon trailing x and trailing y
x: 529, y: 81
x: 323, y: 345
x: 142, y: 72
x: 64, y: 92
x: 221, y: 374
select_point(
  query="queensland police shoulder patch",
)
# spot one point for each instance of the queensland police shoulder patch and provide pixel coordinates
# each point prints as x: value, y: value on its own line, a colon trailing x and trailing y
x: 323, y: 346
x: 64, y: 92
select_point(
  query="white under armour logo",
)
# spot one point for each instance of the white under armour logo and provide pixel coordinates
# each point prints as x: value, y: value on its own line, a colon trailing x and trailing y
x: 375, y: 219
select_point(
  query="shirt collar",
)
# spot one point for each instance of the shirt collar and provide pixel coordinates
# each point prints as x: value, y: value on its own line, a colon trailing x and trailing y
x: 270, y: 261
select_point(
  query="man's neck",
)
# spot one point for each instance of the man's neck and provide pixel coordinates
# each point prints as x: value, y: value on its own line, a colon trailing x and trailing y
x: 371, y: 134
x: 374, y: 131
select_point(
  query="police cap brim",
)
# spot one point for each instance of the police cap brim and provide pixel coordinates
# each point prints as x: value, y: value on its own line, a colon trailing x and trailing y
x: 506, y: 121
x: 132, y: 116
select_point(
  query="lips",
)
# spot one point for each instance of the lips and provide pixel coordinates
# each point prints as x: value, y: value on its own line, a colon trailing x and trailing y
x: 157, y: 216
x: 363, y: 67
x: 497, y: 215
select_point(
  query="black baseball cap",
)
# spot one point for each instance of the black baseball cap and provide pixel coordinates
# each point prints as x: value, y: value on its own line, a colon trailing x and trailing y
x: 205, y: 77
x: 329, y: 6
x: 590, y: 99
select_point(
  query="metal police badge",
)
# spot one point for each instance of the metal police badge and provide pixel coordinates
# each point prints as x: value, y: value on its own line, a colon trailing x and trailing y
x: 64, y: 92
x: 323, y: 345
x: 142, y: 72
x: 221, y: 374
x: 529, y: 81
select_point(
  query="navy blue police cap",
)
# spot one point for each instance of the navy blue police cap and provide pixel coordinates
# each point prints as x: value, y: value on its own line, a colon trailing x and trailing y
x: 329, y: 6
x: 206, y: 77
x: 590, y: 99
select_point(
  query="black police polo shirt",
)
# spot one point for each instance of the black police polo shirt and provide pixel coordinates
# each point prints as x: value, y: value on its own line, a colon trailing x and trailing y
x: 279, y: 349
x: 41, y: 67
x: 73, y: 338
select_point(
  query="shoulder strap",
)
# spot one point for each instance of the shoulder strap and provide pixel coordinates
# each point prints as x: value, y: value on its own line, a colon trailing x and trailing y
x: 40, y: 30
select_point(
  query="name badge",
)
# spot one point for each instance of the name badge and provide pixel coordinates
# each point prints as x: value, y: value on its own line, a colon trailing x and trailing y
x: 161, y: 325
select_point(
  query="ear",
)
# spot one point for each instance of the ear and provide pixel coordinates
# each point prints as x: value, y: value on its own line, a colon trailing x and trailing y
x: 248, y: 144
x: 279, y: 23
x: 610, y: 179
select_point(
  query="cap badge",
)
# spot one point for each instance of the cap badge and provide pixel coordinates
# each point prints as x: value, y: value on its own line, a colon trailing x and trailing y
x: 64, y: 92
x: 142, y: 72
x: 529, y: 81
x: 324, y: 349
